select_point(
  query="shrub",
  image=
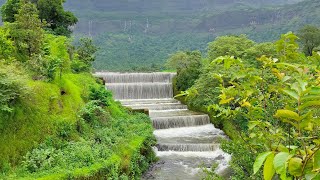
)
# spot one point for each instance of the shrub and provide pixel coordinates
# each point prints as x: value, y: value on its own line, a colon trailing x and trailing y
x: 11, y: 87
x: 94, y: 114
x: 188, y: 65
x: 41, y: 159
x: 100, y: 94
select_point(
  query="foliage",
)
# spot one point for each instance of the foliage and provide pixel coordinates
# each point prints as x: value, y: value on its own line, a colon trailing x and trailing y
x: 85, y: 51
x: 119, y: 28
x: 93, y: 113
x: 9, y: 9
x: 272, y: 104
x: 41, y: 159
x: 6, y: 45
x: 142, y: 52
x: 11, y: 87
x: 26, y: 32
x: 52, y: 11
x: 57, y: 18
x: 101, y: 94
x: 229, y: 45
x: 210, y: 173
x: 187, y: 64
x: 259, y: 50
x: 310, y: 38
x: 287, y: 48
x: 55, y: 124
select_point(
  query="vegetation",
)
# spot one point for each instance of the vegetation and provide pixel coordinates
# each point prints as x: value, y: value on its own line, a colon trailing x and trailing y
x: 138, y: 36
x: 51, y: 11
x: 310, y: 38
x: 56, y: 120
x: 187, y: 65
x: 269, y: 108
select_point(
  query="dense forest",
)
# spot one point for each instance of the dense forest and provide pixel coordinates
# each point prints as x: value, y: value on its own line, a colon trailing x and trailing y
x: 147, y: 32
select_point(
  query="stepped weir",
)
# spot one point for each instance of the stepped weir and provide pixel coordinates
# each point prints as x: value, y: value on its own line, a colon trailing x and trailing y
x: 186, y: 140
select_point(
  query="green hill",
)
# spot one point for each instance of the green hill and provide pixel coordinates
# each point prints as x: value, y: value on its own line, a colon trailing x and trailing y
x: 139, y: 34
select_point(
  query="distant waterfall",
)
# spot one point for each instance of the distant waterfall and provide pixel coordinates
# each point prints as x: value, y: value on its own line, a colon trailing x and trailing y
x: 185, y: 139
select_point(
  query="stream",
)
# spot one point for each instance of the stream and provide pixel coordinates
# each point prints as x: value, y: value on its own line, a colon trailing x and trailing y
x: 186, y: 139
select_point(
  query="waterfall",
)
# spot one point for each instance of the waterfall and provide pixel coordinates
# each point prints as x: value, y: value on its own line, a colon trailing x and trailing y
x: 187, y: 147
x: 144, y: 90
x: 136, y: 77
x: 179, y: 121
x: 185, y: 139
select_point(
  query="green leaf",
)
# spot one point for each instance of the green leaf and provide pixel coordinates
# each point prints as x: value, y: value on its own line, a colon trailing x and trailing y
x: 316, y: 160
x: 313, y: 91
x: 310, y: 175
x: 259, y: 161
x: 310, y: 97
x: 280, y: 164
x: 268, y: 169
x: 302, y: 84
x: 286, y: 78
x: 291, y: 93
x: 309, y: 105
x: 295, y: 166
x: 253, y: 124
x: 296, y: 86
x: 288, y: 114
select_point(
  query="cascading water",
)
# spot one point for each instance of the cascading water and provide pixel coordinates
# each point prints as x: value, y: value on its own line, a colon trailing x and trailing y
x: 186, y: 139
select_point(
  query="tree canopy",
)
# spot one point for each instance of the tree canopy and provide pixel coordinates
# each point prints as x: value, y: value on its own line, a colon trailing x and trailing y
x: 51, y: 12
x: 310, y: 38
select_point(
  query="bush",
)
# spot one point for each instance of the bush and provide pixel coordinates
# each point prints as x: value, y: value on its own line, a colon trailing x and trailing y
x: 188, y: 67
x: 100, y: 94
x: 94, y: 114
x: 79, y: 66
x: 11, y: 87
x: 42, y: 159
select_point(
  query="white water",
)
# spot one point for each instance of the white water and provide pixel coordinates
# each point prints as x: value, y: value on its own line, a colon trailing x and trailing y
x: 186, y: 139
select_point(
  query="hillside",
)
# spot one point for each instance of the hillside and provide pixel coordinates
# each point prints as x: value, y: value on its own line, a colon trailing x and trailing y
x: 136, y: 33
x: 139, y: 35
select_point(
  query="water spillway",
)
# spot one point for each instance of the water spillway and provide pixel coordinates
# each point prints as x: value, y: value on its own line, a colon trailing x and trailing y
x: 185, y: 139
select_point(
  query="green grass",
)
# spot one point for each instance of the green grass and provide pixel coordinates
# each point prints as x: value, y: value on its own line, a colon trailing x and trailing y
x: 49, y: 108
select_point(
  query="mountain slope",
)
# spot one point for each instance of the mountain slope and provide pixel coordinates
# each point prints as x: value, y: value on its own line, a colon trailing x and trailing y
x: 140, y: 33
x: 137, y: 33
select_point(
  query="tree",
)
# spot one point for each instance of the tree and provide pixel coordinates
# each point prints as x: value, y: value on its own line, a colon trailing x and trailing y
x: 57, y: 18
x: 310, y: 38
x: 9, y: 9
x: 258, y: 50
x: 86, y: 50
x: 26, y: 32
x: 6, y: 45
x: 188, y: 66
x: 51, y: 11
x: 85, y: 55
x: 229, y: 45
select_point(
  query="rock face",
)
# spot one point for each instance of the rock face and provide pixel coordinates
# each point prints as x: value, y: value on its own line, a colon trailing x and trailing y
x: 186, y: 139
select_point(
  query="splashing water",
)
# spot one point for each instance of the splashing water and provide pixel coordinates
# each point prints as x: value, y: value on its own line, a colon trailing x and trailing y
x: 186, y: 139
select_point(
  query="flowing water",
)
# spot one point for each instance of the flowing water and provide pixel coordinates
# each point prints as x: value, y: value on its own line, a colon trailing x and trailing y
x: 186, y: 140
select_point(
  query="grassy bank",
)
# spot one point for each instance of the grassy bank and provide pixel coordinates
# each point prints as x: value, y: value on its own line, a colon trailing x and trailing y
x: 59, y: 130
